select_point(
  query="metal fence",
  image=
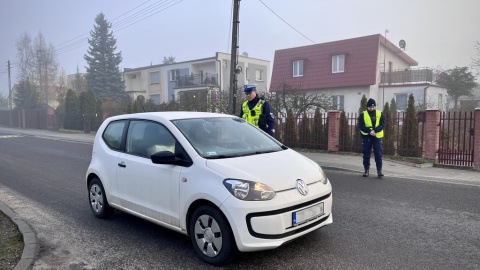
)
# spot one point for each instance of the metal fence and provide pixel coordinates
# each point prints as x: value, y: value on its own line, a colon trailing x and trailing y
x: 456, y: 138
x: 311, y: 133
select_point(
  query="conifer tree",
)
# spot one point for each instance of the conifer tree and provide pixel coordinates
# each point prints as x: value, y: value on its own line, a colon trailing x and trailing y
x: 290, y: 136
x: 26, y: 97
x: 388, y: 142
x: 304, y: 131
x: 72, y: 115
x: 345, y: 136
x: 103, y: 72
x: 317, y: 133
x: 409, y: 145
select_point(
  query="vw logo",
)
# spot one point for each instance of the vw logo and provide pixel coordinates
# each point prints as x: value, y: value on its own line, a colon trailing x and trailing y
x: 301, y: 187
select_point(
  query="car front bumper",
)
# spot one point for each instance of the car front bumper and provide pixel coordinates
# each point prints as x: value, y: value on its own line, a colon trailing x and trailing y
x: 259, y: 225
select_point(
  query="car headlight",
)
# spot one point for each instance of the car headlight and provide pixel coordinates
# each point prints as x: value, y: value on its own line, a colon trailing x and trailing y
x: 323, y: 177
x: 249, y: 190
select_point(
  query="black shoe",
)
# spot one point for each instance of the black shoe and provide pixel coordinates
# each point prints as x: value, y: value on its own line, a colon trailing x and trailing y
x: 380, y: 174
x: 365, y: 174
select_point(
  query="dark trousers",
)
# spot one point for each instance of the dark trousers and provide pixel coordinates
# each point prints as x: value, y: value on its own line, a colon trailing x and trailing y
x: 367, y: 143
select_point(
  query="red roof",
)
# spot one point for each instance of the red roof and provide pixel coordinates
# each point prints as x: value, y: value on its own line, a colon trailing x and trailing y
x: 360, y: 64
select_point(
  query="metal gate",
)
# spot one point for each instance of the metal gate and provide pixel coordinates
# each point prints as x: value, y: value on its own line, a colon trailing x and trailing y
x: 456, y: 138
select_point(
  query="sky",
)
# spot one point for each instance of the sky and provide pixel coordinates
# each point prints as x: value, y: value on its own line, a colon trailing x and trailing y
x: 438, y: 33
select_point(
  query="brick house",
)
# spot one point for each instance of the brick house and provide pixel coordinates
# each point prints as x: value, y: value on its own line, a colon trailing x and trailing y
x: 348, y: 69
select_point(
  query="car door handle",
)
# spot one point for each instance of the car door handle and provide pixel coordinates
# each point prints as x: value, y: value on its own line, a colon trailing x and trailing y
x: 122, y: 164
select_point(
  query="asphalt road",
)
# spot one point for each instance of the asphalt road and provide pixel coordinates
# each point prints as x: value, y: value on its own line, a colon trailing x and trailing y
x: 378, y: 224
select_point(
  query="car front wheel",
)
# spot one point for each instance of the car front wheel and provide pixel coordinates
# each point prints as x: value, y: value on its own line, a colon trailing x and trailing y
x: 211, y: 235
x: 98, y: 200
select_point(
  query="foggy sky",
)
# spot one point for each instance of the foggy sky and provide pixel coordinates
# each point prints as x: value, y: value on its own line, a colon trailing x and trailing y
x: 438, y: 33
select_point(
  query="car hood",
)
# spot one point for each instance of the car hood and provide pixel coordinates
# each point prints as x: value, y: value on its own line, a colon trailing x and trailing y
x: 278, y: 170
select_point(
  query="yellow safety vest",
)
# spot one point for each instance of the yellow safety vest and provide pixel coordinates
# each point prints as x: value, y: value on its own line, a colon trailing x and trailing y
x: 248, y: 116
x: 368, y: 122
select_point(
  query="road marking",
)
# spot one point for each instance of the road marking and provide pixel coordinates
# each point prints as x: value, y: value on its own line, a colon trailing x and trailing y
x: 10, y: 136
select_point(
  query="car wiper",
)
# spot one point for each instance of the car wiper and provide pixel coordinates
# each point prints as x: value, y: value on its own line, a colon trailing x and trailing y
x: 265, y: 151
x: 221, y: 156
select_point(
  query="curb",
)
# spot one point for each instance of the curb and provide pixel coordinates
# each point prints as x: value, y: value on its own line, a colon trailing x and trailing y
x: 30, y: 240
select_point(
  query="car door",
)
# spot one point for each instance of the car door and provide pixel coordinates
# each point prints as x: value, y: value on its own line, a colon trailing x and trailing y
x: 144, y: 187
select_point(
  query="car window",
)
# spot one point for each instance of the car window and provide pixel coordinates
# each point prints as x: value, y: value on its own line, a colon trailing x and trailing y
x: 113, y: 134
x: 145, y: 138
x: 225, y: 137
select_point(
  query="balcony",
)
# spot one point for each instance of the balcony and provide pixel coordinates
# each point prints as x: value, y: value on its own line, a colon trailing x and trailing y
x: 408, y: 76
x: 197, y: 80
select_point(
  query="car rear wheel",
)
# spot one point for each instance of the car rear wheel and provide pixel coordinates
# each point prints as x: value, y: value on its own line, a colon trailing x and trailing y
x: 211, y: 235
x: 98, y: 200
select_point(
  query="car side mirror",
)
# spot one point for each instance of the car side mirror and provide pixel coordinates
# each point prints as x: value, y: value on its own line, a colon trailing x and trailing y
x: 167, y: 157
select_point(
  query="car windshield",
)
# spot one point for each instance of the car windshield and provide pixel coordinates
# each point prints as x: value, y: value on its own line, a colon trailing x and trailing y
x: 226, y: 137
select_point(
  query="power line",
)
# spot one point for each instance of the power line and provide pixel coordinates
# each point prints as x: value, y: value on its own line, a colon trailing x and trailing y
x: 136, y: 17
x: 286, y: 22
x: 84, y: 34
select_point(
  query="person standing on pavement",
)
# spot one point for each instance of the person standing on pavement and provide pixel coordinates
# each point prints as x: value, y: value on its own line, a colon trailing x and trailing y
x: 371, y: 123
x: 257, y: 110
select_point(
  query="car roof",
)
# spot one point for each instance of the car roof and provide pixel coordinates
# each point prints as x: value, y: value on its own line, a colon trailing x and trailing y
x: 170, y: 115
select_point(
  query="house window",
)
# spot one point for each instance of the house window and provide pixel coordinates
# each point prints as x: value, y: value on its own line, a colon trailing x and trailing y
x: 224, y: 63
x: 338, y: 103
x: 298, y: 68
x: 338, y: 63
x: 155, y: 98
x: 134, y: 76
x: 401, y: 101
x: 154, y: 77
x: 259, y: 75
x: 246, y: 73
x: 174, y: 74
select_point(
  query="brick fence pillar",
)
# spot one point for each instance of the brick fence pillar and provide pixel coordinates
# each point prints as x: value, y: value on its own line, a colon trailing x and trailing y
x: 432, y: 131
x: 476, y: 140
x: 333, y: 130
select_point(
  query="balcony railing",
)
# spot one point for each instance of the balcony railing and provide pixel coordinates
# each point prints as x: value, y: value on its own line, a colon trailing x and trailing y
x: 195, y: 80
x: 408, y: 76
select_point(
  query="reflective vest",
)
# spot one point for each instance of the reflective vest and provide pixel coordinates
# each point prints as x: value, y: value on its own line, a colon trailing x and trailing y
x: 368, y: 122
x: 248, y: 116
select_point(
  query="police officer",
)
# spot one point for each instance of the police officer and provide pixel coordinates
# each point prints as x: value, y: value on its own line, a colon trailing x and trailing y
x: 371, y: 123
x: 257, y: 110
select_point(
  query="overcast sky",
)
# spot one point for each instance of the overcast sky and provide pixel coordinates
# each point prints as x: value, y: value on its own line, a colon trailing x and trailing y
x: 437, y: 32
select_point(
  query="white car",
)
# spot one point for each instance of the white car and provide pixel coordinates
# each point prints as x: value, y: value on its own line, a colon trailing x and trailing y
x: 214, y: 177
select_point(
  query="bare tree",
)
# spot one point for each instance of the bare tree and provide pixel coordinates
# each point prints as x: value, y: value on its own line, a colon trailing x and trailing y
x: 37, y: 63
x: 300, y: 101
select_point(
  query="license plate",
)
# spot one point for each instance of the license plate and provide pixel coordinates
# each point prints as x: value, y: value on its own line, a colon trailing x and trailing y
x: 307, y: 214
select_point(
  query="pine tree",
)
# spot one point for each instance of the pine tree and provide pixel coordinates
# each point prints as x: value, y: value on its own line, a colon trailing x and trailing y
x: 290, y: 136
x: 304, y: 131
x: 103, y: 72
x: 388, y: 145
x: 317, y: 134
x: 393, y: 108
x: 26, y: 97
x: 409, y: 145
x: 72, y: 115
x: 345, y: 136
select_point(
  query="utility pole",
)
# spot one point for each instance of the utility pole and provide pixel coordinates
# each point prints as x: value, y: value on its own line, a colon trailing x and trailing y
x: 10, y: 104
x: 233, y: 60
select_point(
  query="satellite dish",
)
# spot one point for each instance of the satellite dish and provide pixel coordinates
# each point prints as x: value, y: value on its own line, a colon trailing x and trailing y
x: 245, y: 54
x: 402, y: 44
